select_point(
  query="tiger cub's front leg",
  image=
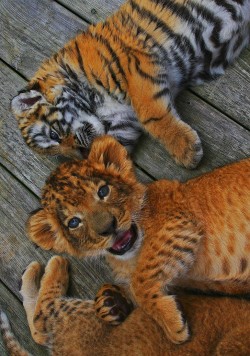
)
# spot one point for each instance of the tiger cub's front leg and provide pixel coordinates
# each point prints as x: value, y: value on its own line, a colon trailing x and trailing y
x: 152, y: 101
x: 163, y: 259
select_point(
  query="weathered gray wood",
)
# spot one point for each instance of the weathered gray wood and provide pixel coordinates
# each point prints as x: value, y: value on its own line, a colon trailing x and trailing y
x: 17, y: 317
x: 32, y: 30
x: 2, y: 348
x: 231, y: 92
x: 92, y: 11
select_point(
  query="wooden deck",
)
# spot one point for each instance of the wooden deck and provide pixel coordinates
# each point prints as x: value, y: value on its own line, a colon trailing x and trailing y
x: 30, y: 32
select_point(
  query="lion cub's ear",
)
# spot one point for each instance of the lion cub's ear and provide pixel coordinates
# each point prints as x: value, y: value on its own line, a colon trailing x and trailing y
x: 39, y: 230
x: 107, y: 150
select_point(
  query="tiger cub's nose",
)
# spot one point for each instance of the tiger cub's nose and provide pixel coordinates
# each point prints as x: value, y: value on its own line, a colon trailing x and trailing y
x: 110, y: 228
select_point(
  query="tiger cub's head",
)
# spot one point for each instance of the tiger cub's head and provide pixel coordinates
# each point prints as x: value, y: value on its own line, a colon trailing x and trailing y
x: 58, y: 118
x: 91, y: 207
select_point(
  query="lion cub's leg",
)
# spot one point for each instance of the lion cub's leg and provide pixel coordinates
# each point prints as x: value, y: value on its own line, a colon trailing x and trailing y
x: 165, y: 310
x: 29, y: 291
x: 174, y: 250
x: 54, y: 284
x: 112, y: 305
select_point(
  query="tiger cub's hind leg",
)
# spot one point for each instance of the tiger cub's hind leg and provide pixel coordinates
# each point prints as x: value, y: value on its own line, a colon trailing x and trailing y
x: 29, y: 291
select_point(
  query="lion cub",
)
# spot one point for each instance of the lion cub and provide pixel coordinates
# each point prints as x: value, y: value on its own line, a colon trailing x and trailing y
x: 156, y: 236
x: 71, y: 327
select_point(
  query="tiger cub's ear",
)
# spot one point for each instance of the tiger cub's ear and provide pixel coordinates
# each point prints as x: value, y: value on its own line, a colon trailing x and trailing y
x: 25, y: 102
x: 39, y: 230
x: 107, y: 150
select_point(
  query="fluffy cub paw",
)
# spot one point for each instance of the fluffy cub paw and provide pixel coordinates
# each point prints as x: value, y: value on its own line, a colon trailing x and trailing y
x: 30, y: 281
x: 187, y: 149
x: 111, y: 305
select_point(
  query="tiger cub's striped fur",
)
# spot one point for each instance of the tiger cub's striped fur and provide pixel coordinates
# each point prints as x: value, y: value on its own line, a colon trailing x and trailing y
x: 131, y: 67
x: 194, y: 234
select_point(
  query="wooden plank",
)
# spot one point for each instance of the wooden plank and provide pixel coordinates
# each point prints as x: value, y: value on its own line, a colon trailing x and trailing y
x: 227, y: 93
x: 230, y: 93
x: 92, y: 11
x: 17, y: 317
x: 32, y: 30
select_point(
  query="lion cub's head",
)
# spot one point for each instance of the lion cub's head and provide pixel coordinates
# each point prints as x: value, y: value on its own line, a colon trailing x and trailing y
x: 91, y: 207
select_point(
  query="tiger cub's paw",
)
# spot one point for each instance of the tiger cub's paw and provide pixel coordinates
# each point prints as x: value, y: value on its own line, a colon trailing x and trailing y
x: 111, y: 305
x: 187, y: 148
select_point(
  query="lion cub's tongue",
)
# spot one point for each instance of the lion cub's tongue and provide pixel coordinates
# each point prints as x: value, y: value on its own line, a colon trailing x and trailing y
x: 122, y: 240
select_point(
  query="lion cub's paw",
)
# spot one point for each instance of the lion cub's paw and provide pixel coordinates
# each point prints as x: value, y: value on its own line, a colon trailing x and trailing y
x: 181, y: 335
x: 30, y: 282
x: 111, y: 305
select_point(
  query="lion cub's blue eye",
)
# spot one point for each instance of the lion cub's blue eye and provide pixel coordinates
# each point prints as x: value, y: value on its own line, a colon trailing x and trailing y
x: 74, y: 222
x: 54, y: 136
x: 103, y: 191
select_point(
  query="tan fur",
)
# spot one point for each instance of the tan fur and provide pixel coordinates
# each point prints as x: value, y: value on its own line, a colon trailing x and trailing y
x: 70, y: 326
x: 194, y: 234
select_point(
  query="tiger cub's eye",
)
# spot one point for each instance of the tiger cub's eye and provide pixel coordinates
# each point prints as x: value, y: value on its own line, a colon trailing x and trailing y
x: 74, y: 222
x: 103, y: 191
x: 54, y: 136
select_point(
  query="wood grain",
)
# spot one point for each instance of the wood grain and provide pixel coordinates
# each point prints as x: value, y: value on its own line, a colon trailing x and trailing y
x: 230, y: 93
x: 32, y: 30
x: 92, y: 11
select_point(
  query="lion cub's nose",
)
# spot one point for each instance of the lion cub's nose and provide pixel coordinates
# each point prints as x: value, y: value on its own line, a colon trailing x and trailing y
x: 110, y: 228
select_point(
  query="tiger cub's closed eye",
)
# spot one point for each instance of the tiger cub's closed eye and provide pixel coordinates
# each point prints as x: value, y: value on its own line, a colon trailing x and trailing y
x: 103, y: 191
x: 74, y: 222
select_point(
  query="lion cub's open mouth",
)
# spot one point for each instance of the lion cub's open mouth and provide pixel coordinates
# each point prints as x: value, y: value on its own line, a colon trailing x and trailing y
x: 124, y: 241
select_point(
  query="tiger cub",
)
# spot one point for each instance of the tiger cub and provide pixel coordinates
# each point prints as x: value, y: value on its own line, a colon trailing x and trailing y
x: 156, y: 236
x: 122, y: 76
x: 70, y: 326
